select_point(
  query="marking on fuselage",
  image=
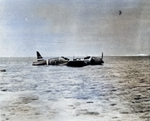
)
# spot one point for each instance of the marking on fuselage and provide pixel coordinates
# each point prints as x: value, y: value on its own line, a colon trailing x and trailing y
x: 47, y: 61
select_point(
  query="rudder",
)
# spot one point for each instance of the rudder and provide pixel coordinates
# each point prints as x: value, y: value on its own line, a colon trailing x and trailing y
x: 38, y: 55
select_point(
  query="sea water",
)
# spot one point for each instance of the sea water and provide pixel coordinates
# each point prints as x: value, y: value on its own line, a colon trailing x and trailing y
x: 118, y: 90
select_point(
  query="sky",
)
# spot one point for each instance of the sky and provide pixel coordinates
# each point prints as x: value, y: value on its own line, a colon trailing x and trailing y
x: 74, y: 27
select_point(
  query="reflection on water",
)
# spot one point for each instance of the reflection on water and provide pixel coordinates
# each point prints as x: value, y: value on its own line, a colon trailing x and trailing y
x: 118, y: 90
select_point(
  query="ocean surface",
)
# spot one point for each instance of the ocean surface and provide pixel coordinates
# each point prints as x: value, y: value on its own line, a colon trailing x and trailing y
x: 118, y: 90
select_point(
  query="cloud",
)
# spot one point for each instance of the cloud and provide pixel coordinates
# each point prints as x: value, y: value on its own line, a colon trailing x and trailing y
x: 58, y: 18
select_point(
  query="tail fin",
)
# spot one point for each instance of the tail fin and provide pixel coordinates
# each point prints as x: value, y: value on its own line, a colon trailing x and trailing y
x: 38, y: 55
x: 102, y: 55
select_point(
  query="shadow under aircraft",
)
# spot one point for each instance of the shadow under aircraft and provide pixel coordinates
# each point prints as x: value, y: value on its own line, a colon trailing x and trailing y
x: 53, y: 61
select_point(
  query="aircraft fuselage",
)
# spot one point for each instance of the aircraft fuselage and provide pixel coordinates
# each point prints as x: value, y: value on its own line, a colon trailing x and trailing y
x: 52, y: 61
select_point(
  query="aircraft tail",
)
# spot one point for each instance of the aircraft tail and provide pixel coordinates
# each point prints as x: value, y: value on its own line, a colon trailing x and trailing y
x: 38, y: 55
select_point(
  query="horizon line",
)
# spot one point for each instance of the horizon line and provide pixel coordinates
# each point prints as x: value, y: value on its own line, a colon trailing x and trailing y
x: 75, y: 55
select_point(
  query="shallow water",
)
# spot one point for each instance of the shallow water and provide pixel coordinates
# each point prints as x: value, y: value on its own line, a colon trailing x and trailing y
x: 118, y: 90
